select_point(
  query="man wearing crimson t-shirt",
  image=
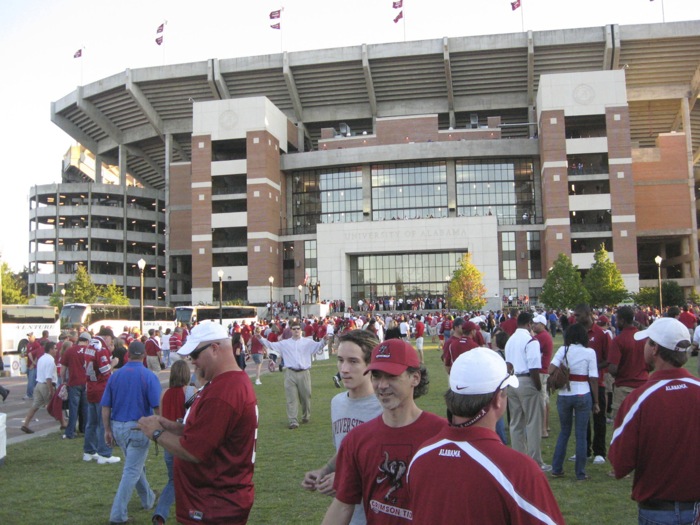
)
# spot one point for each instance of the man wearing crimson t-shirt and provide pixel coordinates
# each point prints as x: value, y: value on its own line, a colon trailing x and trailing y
x: 214, y: 447
x: 656, y: 430
x: 373, y: 458
x: 465, y: 474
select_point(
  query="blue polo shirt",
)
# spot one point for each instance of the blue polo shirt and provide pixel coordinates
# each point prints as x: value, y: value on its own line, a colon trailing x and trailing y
x: 132, y: 392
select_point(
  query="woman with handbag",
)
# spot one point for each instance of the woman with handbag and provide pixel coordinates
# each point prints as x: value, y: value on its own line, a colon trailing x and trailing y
x: 576, y: 397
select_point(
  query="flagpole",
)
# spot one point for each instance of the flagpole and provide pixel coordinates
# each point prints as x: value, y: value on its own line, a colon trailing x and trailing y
x: 165, y: 23
x: 81, y: 67
x: 404, y: 27
x: 522, y: 17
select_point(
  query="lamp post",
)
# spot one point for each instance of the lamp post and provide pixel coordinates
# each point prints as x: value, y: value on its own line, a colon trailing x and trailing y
x: 63, y: 297
x: 658, y: 260
x: 220, y: 273
x: 271, y: 280
x: 142, y: 266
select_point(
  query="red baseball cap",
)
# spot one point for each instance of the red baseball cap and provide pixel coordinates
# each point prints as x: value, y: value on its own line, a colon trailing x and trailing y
x: 393, y: 357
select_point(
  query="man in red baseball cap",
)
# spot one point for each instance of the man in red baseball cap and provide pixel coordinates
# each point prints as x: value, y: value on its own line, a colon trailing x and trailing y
x: 373, y: 459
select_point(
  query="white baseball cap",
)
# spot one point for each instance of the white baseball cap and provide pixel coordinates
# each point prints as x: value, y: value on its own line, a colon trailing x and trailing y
x: 540, y: 319
x: 480, y: 371
x: 206, y: 332
x: 667, y: 332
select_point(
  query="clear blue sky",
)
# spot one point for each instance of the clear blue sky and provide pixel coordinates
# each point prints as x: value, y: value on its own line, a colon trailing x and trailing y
x: 38, y: 39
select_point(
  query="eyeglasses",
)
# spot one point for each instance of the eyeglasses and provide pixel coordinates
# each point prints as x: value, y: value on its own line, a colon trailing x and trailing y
x: 296, y: 327
x: 195, y: 354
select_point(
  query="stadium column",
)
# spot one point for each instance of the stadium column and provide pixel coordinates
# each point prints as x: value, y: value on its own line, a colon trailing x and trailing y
x: 201, y: 194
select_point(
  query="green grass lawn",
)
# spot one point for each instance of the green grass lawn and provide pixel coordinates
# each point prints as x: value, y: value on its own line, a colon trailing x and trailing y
x: 45, y: 480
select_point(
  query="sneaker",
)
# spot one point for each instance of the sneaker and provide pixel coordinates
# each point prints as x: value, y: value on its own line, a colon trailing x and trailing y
x: 584, y: 478
x: 26, y: 430
x: 608, y: 421
x: 557, y: 474
x: 258, y: 382
x: 573, y: 458
x: 90, y: 457
x: 336, y: 380
x: 546, y: 468
x: 598, y: 460
x: 293, y: 426
x: 102, y: 460
x: 305, y: 420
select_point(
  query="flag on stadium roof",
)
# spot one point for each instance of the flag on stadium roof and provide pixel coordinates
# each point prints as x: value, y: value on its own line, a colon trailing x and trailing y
x: 275, y: 14
x: 275, y: 26
x: 398, y: 17
x: 78, y: 53
x: 398, y: 5
x: 515, y: 5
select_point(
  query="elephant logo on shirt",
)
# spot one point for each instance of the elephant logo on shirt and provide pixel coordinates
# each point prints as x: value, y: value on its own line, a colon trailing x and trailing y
x: 393, y: 472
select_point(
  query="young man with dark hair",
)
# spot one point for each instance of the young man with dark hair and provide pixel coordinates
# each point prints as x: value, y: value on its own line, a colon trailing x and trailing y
x: 464, y: 474
x: 656, y: 430
x: 373, y: 458
x: 348, y: 409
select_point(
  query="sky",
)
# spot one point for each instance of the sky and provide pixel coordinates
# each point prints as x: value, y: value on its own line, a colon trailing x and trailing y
x: 38, y: 39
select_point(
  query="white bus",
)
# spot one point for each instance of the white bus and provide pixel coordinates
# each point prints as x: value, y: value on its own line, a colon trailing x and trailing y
x: 20, y: 319
x: 94, y: 316
x: 230, y: 314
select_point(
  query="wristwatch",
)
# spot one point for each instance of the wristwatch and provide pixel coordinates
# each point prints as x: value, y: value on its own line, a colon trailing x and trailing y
x: 156, y: 435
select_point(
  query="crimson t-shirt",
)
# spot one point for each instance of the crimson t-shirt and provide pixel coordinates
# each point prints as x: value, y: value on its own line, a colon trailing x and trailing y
x: 74, y: 359
x: 220, y: 431
x: 372, y: 463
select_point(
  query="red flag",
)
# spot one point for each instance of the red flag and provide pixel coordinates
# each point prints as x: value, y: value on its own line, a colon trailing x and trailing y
x: 275, y: 14
x: 78, y: 53
x: 160, y: 28
x: 159, y: 40
x: 398, y: 5
x: 275, y: 26
x: 398, y: 17
x: 515, y: 5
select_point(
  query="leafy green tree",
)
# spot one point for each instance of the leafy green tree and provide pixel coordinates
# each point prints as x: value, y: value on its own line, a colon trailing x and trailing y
x: 81, y: 289
x: 113, y: 294
x: 694, y: 297
x: 604, y: 281
x: 466, y: 290
x: 563, y: 287
x: 671, y: 291
x: 12, y: 286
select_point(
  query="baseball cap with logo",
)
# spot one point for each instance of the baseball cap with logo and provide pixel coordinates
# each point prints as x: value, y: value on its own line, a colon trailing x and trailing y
x: 206, y: 332
x: 85, y: 336
x: 480, y: 371
x: 667, y: 332
x: 393, y: 357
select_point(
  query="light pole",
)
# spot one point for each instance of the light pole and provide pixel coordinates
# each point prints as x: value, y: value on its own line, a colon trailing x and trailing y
x: 300, y: 288
x: 142, y: 266
x: 271, y: 280
x: 63, y: 297
x: 220, y: 273
x: 658, y: 260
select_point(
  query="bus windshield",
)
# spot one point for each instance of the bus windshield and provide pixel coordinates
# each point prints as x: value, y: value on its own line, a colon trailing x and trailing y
x: 229, y: 314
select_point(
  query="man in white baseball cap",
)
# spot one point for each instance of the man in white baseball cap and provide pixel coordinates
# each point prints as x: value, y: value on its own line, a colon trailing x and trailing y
x: 465, y: 474
x: 657, y: 427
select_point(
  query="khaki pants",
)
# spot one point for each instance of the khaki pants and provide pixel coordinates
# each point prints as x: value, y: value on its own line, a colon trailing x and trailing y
x: 619, y: 395
x: 525, y: 404
x: 153, y: 362
x: 297, y: 389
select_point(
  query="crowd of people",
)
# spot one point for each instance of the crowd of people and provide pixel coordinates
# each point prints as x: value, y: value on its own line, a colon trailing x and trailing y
x: 394, y: 462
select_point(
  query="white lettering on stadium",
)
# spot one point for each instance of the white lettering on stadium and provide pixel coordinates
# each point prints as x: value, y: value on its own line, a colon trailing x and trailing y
x: 676, y: 387
x: 378, y: 507
x: 405, y: 233
x: 450, y: 453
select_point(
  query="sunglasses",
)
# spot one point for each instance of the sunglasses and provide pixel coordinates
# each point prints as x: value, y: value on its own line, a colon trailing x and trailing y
x: 195, y: 354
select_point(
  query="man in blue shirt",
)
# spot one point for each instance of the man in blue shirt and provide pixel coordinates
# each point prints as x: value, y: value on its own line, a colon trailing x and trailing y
x: 132, y: 392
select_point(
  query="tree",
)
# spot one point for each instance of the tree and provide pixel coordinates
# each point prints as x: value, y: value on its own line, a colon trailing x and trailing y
x: 12, y: 286
x: 671, y: 291
x: 81, y: 289
x: 466, y: 290
x: 694, y: 297
x: 113, y: 294
x: 563, y: 287
x: 604, y: 281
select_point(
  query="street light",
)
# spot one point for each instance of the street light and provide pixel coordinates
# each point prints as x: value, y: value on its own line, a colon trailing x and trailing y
x: 63, y: 297
x: 300, y: 288
x: 658, y: 260
x: 142, y: 266
x: 271, y: 280
x: 220, y: 273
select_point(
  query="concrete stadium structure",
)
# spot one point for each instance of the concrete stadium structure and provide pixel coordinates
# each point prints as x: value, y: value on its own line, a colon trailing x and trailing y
x: 372, y: 169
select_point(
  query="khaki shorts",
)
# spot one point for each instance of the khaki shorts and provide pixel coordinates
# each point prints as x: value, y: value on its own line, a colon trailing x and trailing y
x: 619, y: 395
x: 42, y: 396
x: 543, y: 391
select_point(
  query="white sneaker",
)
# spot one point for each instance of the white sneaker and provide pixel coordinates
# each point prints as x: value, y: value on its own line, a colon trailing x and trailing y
x: 546, y: 468
x: 573, y: 458
x: 598, y: 460
x: 90, y: 457
x: 101, y: 460
x: 258, y: 382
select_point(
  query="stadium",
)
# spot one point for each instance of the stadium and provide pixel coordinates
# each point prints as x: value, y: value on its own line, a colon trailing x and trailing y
x: 371, y: 169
